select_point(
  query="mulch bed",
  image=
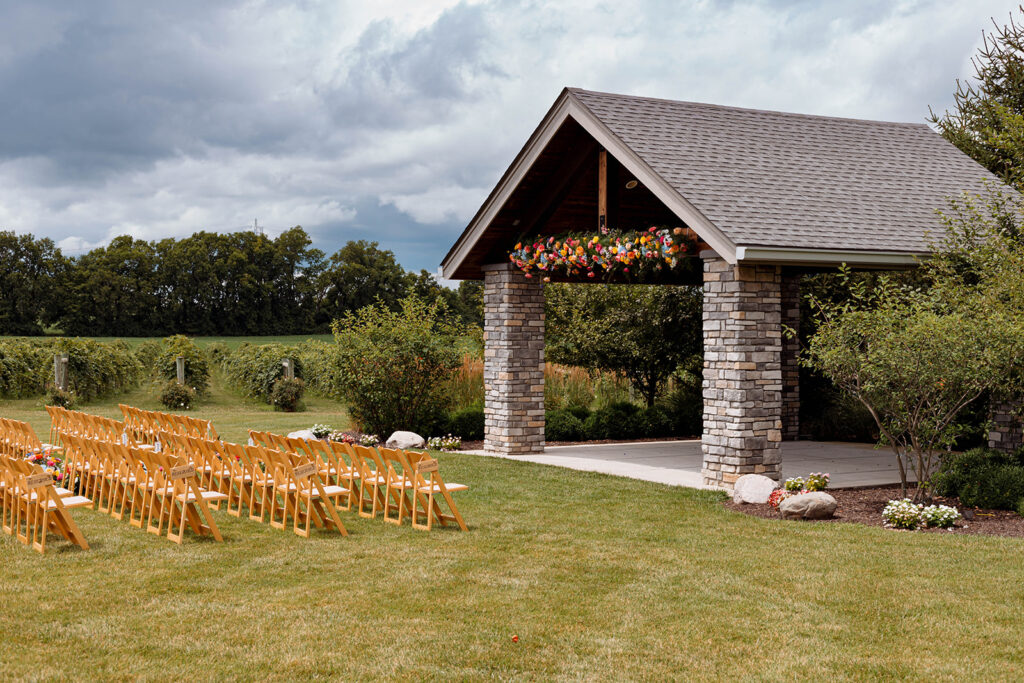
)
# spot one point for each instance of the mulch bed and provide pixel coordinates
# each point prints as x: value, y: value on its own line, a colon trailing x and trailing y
x: 864, y: 506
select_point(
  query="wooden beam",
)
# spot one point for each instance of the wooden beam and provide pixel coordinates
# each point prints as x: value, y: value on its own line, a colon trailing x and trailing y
x: 602, y: 189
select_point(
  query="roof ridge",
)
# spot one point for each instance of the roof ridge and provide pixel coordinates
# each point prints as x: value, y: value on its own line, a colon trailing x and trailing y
x: 753, y: 110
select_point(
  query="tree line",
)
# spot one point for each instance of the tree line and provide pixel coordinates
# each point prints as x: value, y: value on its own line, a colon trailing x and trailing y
x: 240, y: 283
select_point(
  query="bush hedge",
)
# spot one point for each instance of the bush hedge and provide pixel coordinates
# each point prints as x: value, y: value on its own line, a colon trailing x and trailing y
x: 467, y: 423
x: 255, y: 368
x: 983, y: 478
x: 95, y: 369
x: 197, y: 370
x: 286, y: 395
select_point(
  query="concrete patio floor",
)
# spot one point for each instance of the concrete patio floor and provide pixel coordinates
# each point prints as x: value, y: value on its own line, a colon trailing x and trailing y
x: 678, y: 463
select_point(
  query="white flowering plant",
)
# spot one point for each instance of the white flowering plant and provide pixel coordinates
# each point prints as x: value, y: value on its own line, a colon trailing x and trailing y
x: 941, y: 516
x: 321, y: 431
x: 817, y: 481
x: 444, y: 443
x: 369, y: 440
x: 902, y: 514
x: 905, y: 514
x: 795, y: 484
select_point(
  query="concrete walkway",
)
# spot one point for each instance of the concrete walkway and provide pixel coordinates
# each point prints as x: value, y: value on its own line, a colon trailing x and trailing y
x: 678, y: 463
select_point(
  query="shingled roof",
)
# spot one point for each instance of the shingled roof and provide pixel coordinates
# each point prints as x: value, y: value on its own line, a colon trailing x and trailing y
x: 767, y: 186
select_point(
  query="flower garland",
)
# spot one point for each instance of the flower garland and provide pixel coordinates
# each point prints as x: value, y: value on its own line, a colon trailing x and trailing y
x: 633, y: 254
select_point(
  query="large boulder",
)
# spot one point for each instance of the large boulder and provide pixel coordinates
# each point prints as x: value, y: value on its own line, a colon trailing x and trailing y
x: 753, y: 488
x: 306, y: 434
x: 405, y: 440
x: 814, y: 505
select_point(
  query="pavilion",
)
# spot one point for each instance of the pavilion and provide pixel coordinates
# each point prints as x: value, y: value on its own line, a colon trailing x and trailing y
x: 770, y: 196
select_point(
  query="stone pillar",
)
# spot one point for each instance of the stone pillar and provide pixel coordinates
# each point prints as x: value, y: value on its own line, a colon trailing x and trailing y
x: 742, y: 371
x: 513, y: 361
x: 1005, y: 433
x: 790, y: 355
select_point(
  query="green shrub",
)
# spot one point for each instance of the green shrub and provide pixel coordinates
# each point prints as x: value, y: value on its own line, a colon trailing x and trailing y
x: 619, y: 420
x: 581, y: 413
x: 148, y: 355
x: 177, y: 396
x: 468, y: 423
x: 1020, y: 507
x: 255, y: 368
x: 684, y: 406
x: 981, y: 477
x: 657, y: 422
x: 197, y: 370
x: 25, y: 368
x: 392, y: 367
x: 320, y: 366
x: 563, y: 425
x: 286, y: 395
x: 61, y: 398
x: 217, y: 352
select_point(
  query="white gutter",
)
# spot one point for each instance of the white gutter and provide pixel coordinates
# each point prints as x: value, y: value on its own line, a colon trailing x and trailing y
x: 832, y: 257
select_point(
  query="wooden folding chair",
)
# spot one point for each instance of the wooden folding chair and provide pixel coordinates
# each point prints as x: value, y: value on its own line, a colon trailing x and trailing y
x: 304, y: 495
x: 428, y: 486
x: 399, y: 485
x: 47, y: 511
x: 182, y: 501
x: 372, y: 480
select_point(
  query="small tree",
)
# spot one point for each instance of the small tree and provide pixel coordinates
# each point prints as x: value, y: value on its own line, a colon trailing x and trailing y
x: 643, y: 332
x: 915, y: 360
x: 393, y: 365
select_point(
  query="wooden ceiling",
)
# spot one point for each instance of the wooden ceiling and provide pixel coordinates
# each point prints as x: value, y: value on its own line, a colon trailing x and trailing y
x: 560, y: 193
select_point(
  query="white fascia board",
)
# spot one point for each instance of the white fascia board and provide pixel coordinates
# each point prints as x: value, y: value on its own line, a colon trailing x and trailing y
x: 678, y: 204
x: 510, y: 181
x: 827, y: 257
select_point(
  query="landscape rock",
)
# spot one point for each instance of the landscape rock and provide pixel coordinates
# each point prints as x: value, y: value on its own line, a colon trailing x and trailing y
x: 753, y: 488
x: 303, y: 434
x: 405, y: 440
x: 814, y: 505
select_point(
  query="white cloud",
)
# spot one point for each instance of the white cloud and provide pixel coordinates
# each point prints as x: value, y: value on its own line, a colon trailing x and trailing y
x: 381, y: 117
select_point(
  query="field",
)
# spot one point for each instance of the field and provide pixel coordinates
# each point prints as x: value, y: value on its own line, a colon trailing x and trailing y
x: 562, y: 575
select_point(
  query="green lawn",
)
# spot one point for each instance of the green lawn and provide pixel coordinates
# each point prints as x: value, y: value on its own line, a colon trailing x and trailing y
x: 599, y: 577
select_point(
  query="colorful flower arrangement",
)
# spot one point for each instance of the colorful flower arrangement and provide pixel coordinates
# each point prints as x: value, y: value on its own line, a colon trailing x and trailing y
x: 633, y: 254
x: 794, y: 486
x: 49, y: 461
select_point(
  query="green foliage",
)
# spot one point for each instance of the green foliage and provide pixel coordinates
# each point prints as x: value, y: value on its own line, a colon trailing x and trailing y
x: 320, y: 364
x: 30, y: 272
x: 197, y: 370
x: 217, y: 352
x: 981, y: 477
x: 25, y: 368
x: 622, y: 420
x: 987, y: 119
x: 563, y: 425
x: 286, y: 395
x: 255, y: 368
x: 467, y: 423
x: 60, y: 398
x: 643, y: 332
x: 684, y: 404
x: 177, y: 396
x: 148, y: 355
x: 915, y: 360
x: 392, y: 366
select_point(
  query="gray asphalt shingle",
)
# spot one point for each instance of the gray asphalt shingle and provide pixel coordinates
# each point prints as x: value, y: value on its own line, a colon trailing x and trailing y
x: 791, y: 180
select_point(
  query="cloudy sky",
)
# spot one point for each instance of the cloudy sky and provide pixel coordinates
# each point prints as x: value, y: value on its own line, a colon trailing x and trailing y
x: 392, y: 120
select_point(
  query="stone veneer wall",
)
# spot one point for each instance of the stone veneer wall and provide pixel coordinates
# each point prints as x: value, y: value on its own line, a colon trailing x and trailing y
x: 742, y: 371
x: 1005, y: 433
x: 790, y: 354
x: 513, y: 361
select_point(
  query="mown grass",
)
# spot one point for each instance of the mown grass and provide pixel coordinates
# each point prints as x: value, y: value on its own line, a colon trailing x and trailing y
x: 599, y: 577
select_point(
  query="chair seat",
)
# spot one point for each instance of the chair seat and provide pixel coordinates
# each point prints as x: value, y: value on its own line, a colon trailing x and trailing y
x: 437, y: 487
x: 207, y: 496
x: 71, y: 502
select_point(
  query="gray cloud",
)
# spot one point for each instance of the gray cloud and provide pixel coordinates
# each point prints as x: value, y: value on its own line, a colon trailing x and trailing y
x: 392, y: 121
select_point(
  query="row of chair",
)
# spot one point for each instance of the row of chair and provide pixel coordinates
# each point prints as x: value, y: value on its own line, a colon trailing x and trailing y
x: 33, y: 506
x: 396, y: 482
x: 143, y: 425
x: 154, y: 490
x: 19, y: 440
x: 88, y: 425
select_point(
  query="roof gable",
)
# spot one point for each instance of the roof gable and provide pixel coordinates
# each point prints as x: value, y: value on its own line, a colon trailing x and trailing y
x: 750, y: 181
